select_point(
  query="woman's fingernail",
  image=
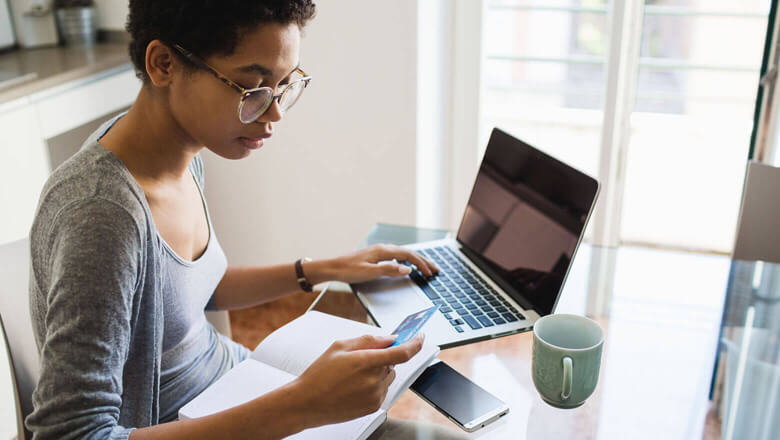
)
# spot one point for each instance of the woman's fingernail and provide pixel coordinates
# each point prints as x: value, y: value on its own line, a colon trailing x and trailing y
x: 406, y: 270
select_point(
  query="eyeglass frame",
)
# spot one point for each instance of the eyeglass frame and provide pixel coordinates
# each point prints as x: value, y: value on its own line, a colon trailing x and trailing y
x: 245, y: 93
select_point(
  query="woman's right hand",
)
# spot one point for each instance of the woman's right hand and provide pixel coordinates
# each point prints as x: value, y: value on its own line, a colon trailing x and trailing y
x: 351, y: 378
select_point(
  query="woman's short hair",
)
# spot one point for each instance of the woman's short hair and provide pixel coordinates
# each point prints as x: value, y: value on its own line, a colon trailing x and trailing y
x: 205, y: 27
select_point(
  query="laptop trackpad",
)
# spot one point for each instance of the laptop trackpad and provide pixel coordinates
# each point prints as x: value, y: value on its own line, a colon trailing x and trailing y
x: 392, y: 299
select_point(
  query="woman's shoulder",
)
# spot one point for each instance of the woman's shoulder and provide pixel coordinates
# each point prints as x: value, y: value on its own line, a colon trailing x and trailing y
x: 94, y: 177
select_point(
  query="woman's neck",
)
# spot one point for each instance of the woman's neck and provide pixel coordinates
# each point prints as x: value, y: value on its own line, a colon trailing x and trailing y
x: 150, y: 142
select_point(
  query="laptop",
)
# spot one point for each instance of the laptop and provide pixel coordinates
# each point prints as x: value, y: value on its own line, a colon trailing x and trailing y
x: 506, y: 267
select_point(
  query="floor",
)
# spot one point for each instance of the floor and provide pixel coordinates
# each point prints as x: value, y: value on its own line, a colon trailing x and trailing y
x: 252, y: 325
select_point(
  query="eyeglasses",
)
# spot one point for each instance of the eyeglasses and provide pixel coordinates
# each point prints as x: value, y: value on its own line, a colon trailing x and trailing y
x: 255, y: 102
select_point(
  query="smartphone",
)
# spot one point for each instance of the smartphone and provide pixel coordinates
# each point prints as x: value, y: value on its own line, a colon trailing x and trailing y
x: 458, y: 398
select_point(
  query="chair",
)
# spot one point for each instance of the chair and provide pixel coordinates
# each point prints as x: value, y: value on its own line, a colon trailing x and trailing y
x: 758, y: 231
x: 16, y: 326
x: 757, y: 240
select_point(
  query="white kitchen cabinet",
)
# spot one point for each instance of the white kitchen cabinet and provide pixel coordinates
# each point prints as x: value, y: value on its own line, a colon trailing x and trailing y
x: 27, y: 123
x: 24, y: 167
x: 72, y: 105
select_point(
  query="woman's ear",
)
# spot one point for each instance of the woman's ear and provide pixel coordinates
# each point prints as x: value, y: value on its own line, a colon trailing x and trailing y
x: 159, y: 63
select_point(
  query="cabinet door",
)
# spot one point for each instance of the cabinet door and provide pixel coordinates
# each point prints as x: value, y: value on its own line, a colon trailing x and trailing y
x: 88, y: 99
x: 24, y: 168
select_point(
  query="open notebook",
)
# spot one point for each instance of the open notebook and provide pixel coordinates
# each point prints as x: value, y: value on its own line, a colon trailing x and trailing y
x: 285, y: 354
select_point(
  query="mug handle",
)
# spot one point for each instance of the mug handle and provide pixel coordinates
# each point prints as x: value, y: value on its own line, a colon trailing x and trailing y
x: 567, y: 378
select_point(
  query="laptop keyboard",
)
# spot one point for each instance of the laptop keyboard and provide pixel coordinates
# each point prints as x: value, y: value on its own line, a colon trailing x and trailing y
x: 464, y: 299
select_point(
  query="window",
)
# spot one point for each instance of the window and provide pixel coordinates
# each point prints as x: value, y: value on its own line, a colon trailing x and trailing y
x: 690, y: 94
x: 545, y: 76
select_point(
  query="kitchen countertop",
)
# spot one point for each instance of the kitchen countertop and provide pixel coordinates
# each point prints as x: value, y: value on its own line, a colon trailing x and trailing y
x: 57, y: 65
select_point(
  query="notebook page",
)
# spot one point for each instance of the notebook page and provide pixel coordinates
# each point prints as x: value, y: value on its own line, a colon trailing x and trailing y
x: 251, y: 379
x: 246, y: 381
x: 298, y: 344
x: 356, y: 429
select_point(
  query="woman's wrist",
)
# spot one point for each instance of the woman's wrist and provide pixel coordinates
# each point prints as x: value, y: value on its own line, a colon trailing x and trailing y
x: 302, y: 409
x: 319, y: 271
x: 289, y: 408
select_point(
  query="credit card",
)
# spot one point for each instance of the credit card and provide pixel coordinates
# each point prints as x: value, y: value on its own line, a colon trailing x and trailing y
x: 412, y: 324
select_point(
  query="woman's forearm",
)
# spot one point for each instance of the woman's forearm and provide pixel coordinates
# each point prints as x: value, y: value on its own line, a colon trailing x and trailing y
x: 275, y: 415
x: 246, y: 286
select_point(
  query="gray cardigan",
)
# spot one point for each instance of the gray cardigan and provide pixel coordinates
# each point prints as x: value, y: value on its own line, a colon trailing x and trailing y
x: 96, y: 300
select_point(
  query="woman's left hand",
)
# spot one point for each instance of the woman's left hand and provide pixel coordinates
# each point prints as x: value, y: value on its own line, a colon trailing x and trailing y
x: 363, y: 265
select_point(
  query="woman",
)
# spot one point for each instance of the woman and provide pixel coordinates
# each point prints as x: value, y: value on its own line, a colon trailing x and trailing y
x: 124, y: 258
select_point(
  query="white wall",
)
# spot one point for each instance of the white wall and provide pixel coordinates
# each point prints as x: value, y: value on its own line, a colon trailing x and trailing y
x: 343, y: 158
x: 434, y: 110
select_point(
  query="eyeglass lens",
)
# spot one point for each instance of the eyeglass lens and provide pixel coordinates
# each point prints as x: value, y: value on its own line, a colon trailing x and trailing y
x: 254, y: 105
x: 290, y: 95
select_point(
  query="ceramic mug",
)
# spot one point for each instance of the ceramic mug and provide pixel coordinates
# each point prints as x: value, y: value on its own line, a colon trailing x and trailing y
x: 566, y: 359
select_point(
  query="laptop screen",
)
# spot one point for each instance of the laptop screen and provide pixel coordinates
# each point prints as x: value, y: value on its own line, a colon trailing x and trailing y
x: 524, y: 220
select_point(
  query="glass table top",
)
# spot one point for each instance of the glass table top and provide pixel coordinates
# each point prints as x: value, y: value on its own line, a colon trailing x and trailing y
x: 662, y: 312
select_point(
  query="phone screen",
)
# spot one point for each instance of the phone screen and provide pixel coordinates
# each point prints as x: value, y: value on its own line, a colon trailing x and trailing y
x: 454, y: 394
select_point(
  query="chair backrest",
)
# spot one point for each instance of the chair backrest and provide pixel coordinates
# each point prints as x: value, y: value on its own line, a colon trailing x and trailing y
x: 16, y: 325
x: 758, y: 231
